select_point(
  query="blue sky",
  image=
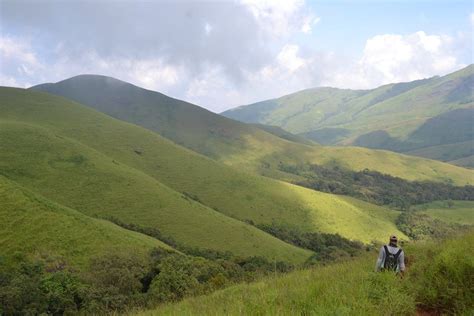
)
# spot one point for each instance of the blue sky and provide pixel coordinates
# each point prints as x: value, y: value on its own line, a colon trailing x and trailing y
x: 346, y: 25
x: 221, y: 54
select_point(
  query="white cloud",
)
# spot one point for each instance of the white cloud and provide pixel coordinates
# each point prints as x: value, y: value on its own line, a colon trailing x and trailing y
x: 282, y: 17
x: 288, y: 57
x: 223, y: 54
x: 394, y: 58
x: 308, y: 23
x: 17, y: 60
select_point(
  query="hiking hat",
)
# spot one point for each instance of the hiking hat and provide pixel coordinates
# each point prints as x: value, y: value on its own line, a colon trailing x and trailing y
x: 393, y: 238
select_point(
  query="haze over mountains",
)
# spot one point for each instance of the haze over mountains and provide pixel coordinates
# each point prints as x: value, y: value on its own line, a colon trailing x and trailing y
x: 431, y: 118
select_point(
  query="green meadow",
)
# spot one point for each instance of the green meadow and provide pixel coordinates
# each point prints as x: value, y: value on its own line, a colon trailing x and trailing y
x: 33, y: 225
x: 453, y: 212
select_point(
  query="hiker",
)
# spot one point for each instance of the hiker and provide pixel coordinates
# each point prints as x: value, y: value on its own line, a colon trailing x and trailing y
x: 391, y: 258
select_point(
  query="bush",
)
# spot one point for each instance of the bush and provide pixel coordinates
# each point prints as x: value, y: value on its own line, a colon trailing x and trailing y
x: 375, y: 187
x: 115, y: 281
x: 442, y: 278
x: 26, y: 287
x: 327, y: 247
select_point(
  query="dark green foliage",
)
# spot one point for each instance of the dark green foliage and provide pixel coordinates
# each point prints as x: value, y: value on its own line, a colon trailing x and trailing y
x: 121, y: 281
x: 31, y: 287
x: 421, y: 226
x: 327, y: 247
x: 115, y: 281
x: 375, y: 187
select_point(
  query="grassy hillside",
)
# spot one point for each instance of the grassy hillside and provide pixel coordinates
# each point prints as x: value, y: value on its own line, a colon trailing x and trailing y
x: 77, y: 176
x: 400, y: 117
x: 102, y: 166
x: 243, y: 146
x: 34, y: 225
x: 466, y: 162
x: 457, y: 212
x: 351, y: 288
x: 449, y: 152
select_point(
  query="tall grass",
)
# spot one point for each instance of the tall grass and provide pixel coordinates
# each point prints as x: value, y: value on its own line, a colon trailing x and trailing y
x: 439, y: 279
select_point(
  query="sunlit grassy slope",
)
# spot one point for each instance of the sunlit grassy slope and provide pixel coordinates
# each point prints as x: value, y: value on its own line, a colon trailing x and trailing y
x: 243, y: 146
x: 400, y: 117
x: 438, y: 281
x: 31, y: 224
x: 460, y: 212
x: 77, y: 176
x: 99, y: 165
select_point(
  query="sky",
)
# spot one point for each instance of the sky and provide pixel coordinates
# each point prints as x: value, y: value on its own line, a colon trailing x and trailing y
x: 222, y: 54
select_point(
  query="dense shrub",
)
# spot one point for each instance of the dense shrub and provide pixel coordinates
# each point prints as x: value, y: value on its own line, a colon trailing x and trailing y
x: 115, y: 281
x: 375, y: 187
x: 442, y: 278
x: 420, y: 226
x: 27, y: 288
x: 327, y: 247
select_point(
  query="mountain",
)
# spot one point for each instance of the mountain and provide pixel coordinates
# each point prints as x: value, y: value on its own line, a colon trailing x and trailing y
x: 105, y: 168
x: 247, y: 147
x: 403, y: 117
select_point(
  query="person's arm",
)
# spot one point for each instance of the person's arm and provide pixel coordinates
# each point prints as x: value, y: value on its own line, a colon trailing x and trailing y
x: 401, y: 261
x: 380, y: 260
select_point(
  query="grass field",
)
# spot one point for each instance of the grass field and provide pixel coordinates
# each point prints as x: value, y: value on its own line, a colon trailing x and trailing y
x: 460, y: 212
x: 33, y: 225
x: 352, y: 288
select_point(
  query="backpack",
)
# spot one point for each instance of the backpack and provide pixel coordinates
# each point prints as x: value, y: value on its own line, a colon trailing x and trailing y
x: 391, y: 260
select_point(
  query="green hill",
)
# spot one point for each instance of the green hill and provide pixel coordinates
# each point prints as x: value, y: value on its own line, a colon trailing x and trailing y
x: 466, y: 162
x: 243, y: 146
x: 399, y: 117
x: 103, y: 167
x: 448, y: 152
x: 437, y: 282
x: 63, y: 169
x: 34, y: 225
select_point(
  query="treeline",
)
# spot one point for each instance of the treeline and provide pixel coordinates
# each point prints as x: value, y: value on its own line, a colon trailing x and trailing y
x: 375, y: 187
x: 420, y: 226
x: 119, y: 281
x: 327, y: 247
